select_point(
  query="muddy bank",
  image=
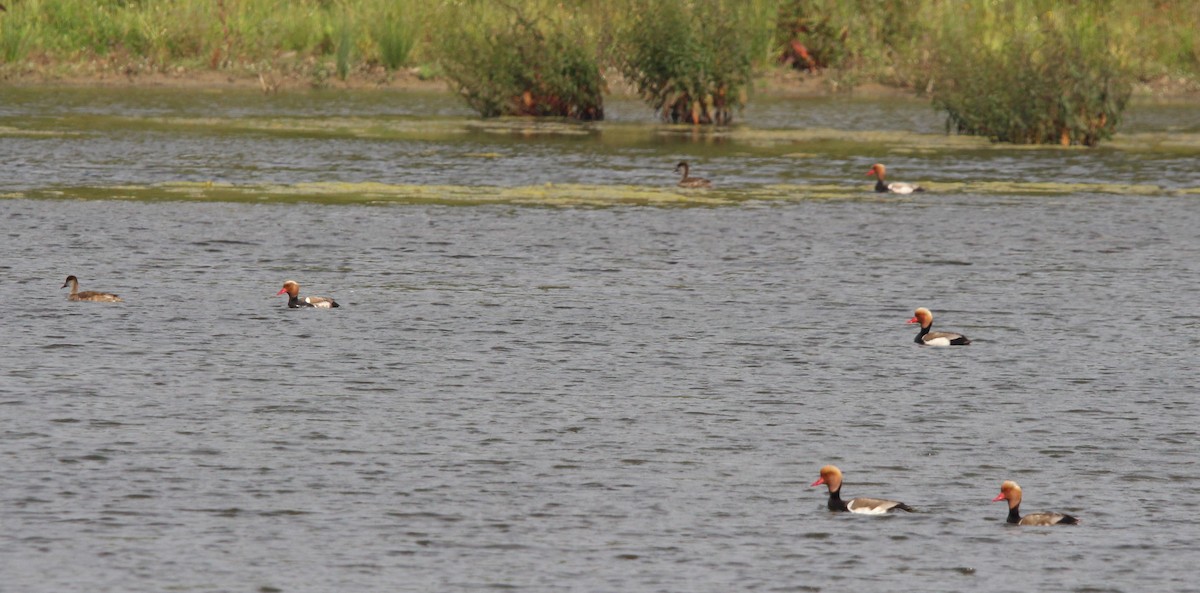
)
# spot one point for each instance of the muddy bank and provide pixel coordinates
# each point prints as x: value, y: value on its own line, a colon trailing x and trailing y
x: 308, y: 75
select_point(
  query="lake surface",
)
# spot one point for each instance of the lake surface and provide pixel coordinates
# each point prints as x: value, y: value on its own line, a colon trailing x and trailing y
x: 552, y: 371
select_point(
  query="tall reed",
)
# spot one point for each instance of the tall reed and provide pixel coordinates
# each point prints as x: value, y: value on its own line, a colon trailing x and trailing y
x: 395, y: 32
x: 344, y: 46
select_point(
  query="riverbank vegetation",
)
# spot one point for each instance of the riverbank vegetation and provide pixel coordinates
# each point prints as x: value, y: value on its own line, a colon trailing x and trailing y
x: 505, y: 59
x: 1053, y: 76
x: 1014, y: 70
x: 694, y: 60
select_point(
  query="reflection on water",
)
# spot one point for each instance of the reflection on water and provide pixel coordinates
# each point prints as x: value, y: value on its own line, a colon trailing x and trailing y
x: 625, y: 398
x: 98, y: 139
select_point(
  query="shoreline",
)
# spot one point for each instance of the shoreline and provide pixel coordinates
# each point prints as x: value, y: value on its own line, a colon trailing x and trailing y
x: 777, y: 83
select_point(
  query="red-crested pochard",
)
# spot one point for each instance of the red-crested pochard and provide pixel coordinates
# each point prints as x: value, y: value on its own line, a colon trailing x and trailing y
x: 898, y: 187
x: 88, y: 295
x: 690, y: 181
x: 1012, y: 492
x: 925, y: 318
x: 292, y: 288
x: 831, y: 476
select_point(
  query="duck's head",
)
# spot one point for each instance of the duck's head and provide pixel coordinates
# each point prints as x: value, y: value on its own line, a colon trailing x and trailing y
x: 291, y: 287
x: 1010, y: 491
x: 923, y: 316
x: 682, y: 166
x: 68, y: 281
x: 831, y: 476
x: 877, y: 170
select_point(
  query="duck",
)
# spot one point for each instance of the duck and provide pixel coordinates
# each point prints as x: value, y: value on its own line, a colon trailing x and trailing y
x: 897, y: 187
x: 690, y: 181
x: 88, y: 295
x: 292, y: 288
x: 1012, y: 492
x: 831, y: 476
x: 925, y: 318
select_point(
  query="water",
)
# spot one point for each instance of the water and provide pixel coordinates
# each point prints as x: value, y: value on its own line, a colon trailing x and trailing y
x: 625, y: 398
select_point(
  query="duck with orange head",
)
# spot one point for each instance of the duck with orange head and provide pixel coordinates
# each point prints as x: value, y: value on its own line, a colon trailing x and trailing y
x: 924, y: 317
x: 896, y: 187
x: 831, y: 477
x: 1011, y: 492
x: 295, y: 301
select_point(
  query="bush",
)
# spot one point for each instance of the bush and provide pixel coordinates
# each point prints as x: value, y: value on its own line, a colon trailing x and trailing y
x: 506, y: 63
x: 692, y: 60
x: 1016, y: 73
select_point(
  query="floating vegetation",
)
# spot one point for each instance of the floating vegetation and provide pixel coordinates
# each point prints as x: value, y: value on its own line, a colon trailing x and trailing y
x: 564, y: 195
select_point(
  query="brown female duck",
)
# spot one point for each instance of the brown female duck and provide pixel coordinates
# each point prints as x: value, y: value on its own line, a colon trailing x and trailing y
x: 88, y: 295
x: 690, y: 181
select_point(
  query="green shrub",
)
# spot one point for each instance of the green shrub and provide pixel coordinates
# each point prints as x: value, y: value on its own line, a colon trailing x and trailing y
x: 1014, y: 72
x: 504, y: 62
x: 691, y: 60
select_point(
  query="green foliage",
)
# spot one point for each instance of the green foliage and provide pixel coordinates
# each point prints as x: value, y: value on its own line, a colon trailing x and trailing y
x: 504, y: 61
x: 345, y: 45
x: 1160, y: 36
x: 1024, y: 70
x: 14, y: 39
x: 1030, y: 75
x: 395, y: 32
x: 692, y: 60
x: 854, y: 40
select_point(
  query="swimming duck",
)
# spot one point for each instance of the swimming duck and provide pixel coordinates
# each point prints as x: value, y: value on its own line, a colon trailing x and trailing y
x: 1012, y: 492
x: 898, y: 187
x: 831, y: 476
x: 925, y: 318
x: 89, y: 295
x: 292, y: 288
x: 690, y: 181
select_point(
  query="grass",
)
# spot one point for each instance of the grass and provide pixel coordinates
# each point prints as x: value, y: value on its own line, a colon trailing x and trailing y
x: 699, y: 67
x: 879, y: 40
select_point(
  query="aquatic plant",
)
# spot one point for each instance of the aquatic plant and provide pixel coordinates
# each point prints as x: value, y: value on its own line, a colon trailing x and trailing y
x: 691, y: 60
x: 1027, y: 74
x: 504, y: 60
